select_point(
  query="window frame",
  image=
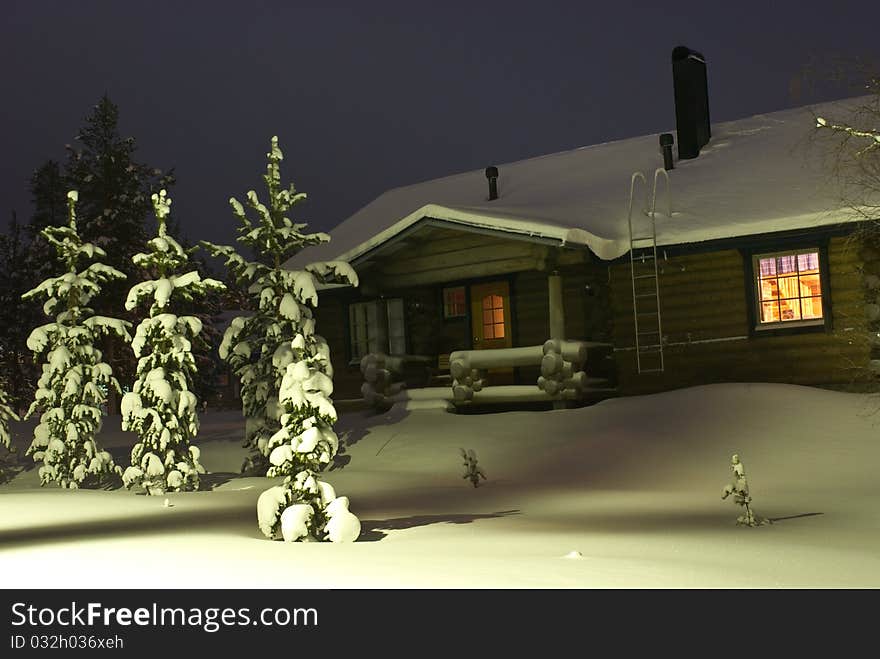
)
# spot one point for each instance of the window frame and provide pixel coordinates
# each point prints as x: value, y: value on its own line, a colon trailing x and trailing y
x: 753, y: 298
x: 495, y: 306
x: 465, y: 300
x: 354, y: 357
x: 382, y: 314
x: 391, y: 334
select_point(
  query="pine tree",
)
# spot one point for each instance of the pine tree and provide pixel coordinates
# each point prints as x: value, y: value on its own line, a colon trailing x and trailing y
x: 304, y: 507
x: 206, y: 310
x: 49, y: 197
x: 161, y: 408
x: 74, y: 381
x: 114, y: 193
x: 114, y: 190
x: 258, y: 346
x: 17, y: 316
x: 285, y: 367
x: 7, y: 414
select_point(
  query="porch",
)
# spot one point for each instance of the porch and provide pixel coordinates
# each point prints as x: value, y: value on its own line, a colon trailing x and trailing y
x: 479, y: 378
x: 467, y: 314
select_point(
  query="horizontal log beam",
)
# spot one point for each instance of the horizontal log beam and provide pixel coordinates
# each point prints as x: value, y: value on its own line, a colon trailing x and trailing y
x: 459, y: 257
x: 496, y: 358
x: 470, y: 271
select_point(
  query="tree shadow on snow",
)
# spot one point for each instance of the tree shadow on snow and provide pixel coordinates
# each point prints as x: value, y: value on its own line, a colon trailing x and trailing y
x: 650, y: 522
x: 10, y: 467
x: 170, y: 521
x: 372, y: 530
x: 215, y: 479
x: 780, y: 519
x: 354, y: 427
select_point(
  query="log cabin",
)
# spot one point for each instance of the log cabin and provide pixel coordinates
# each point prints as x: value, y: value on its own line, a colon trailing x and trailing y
x: 733, y: 262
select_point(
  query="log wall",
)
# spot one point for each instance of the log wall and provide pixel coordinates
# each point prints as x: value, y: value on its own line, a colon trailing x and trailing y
x: 419, y: 270
x: 436, y: 256
x: 705, y: 315
x: 332, y: 324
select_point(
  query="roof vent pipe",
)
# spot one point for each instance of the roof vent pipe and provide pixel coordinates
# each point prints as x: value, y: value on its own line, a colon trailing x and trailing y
x: 666, y: 146
x: 492, y: 175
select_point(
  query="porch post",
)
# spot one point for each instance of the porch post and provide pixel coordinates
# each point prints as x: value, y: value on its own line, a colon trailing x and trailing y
x: 557, y: 313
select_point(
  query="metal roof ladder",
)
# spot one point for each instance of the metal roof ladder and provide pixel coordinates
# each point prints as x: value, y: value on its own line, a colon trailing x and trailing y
x: 645, y: 279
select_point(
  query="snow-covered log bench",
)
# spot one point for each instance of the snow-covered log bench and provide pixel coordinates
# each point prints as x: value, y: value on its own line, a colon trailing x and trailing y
x: 382, y: 376
x: 561, y: 362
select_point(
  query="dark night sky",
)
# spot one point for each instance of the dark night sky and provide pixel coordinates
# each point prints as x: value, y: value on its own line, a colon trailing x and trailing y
x: 366, y: 96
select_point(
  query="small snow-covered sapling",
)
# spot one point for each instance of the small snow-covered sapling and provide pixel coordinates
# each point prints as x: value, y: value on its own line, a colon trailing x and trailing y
x: 472, y: 471
x: 740, y: 491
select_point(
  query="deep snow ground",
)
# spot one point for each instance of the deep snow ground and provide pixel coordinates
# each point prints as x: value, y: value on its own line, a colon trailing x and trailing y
x: 631, y: 484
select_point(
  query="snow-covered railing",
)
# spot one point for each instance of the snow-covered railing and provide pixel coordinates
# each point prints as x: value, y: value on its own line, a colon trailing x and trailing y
x: 561, y: 364
x: 383, y: 376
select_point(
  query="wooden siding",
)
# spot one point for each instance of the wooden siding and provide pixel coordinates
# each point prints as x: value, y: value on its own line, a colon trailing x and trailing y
x: 587, y: 311
x: 332, y: 324
x: 418, y: 268
x: 436, y: 256
x: 704, y: 306
x: 705, y: 315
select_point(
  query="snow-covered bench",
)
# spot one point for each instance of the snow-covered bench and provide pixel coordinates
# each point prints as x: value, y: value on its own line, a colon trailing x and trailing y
x: 561, y: 362
x: 383, y: 376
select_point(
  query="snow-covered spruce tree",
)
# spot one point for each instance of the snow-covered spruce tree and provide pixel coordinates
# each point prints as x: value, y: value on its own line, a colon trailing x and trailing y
x: 17, y: 316
x: 304, y: 507
x: 7, y: 414
x: 740, y: 491
x: 75, y: 380
x: 114, y: 208
x: 161, y: 408
x: 280, y: 328
x: 285, y: 367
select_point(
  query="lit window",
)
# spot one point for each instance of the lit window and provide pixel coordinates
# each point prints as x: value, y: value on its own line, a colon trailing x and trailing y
x: 493, y: 317
x: 454, y: 303
x: 789, y: 288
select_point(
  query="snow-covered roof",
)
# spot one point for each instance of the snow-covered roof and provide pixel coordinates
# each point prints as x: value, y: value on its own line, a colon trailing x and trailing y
x: 754, y: 176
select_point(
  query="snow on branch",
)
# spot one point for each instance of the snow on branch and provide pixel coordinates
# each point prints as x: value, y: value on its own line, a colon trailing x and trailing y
x: 7, y: 414
x: 284, y: 367
x: 72, y: 389
x: 161, y: 408
x: 334, y: 271
x: 872, y: 135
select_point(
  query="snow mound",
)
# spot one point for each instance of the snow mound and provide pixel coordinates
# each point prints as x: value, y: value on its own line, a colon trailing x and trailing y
x: 342, y: 525
x: 295, y: 521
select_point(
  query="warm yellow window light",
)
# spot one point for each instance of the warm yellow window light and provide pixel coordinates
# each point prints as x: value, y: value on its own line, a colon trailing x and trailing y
x: 789, y: 287
x: 493, y: 317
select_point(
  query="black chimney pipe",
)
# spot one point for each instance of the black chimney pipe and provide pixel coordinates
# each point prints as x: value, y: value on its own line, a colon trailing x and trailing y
x: 691, y: 88
x: 666, y: 146
x: 492, y: 175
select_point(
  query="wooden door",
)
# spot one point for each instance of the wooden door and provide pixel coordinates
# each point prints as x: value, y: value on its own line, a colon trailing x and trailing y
x: 490, y: 315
